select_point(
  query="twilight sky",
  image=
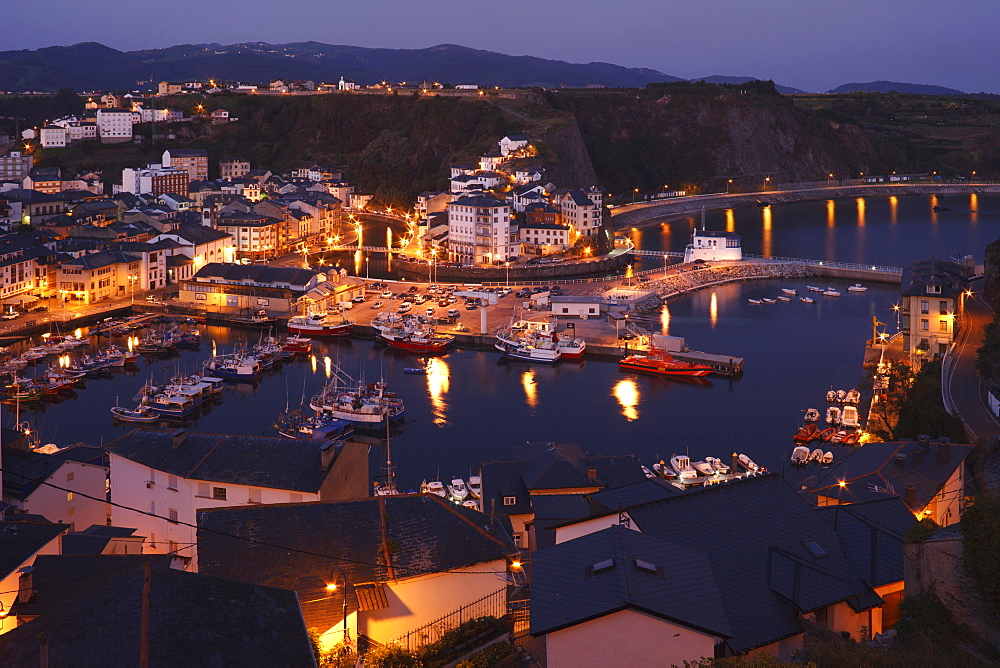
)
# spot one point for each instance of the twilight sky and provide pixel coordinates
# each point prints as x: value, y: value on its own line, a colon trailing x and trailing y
x: 807, y: 44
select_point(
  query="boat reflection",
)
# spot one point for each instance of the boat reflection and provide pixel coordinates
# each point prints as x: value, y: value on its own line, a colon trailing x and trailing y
x: 626, y: 391
x: 438, y: 383
x: 530, y: 388
x: 713, y: 310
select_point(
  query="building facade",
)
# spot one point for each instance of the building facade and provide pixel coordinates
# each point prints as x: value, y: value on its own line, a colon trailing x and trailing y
x: 481, y: 231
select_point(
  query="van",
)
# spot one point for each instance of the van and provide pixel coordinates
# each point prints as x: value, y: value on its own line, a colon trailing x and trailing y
x: 404, y: 307
x: 453, y: 313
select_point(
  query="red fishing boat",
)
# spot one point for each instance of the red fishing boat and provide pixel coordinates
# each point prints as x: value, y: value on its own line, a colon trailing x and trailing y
x: 297, y: 344
x: 320, y: 325
x: 661, y: 363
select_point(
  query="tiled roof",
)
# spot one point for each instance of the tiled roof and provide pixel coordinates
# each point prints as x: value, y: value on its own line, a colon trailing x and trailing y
x: 93, y: 539
x: 676, y: 583
x: 173, y: 618
x: 101, y: 259
x: 479, y: 200
x: 375, y: 539
x: 632, y: 494
x: 21, y: 537
x: 553, y: 509
x: 919, y: 275
x: 257, y: 461
x: 256, y: 273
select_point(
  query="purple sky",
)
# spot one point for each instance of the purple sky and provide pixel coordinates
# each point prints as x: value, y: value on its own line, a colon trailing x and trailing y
x: 807, y: 44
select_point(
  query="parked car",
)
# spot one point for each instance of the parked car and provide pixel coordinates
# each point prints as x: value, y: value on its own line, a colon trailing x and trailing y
x: 404, y: 307
x: 471, y: 306
x: 413, y: 288
x: 453, y: 313
x: 9, y: 316
x: 358, y: 300
x: 37, y: 309
x: 387, y: 294
x: 429, y: 311
x: 150, y: 298
x: 377, y: 305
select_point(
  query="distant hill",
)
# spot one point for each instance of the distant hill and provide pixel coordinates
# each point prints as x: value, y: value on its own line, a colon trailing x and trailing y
x: 895, y: 87
x: 90, y: 66
x: 720, y: 79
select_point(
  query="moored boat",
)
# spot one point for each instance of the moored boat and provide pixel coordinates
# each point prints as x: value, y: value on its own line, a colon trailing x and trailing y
x: 703, y: 468
x: 857, y: 287
x: 457, y: 490
x: 853, y: 397
x: 141, y: 414
x: 812, y: 415
x: 813, y: 288
x: 320, y: 325
x: 833, y: 415
x: 849, y: 417
x: 851, y: 439
x: 366, y: 406
x: 718, y: 465
x: 830, y: 292
x: 790, y: 291
x: 768, y: 300
x: 754, y: 301
x: 299, y: 345
x: 236, y: 366
x: 661, y: 363
x: 748, y: 463
x: 827, y: 458
x: 807, y: 300
x: 800, y: 454
x: 682, y: 465
x: 435, y: 487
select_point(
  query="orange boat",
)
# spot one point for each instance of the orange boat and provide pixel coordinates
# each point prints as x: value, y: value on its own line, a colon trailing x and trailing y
x: 662, y: 364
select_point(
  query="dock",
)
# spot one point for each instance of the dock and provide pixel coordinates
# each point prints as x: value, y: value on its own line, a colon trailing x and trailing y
x: 723, y: 365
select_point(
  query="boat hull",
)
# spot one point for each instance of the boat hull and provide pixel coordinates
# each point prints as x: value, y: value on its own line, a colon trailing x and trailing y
x: 575, y: 353
x: 416, y: 346
x: 661, y: 370
x: 521, y: 354
x: 321, y: 332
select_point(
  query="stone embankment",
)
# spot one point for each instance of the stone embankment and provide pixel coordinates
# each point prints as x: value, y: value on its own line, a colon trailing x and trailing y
x: 695, y: 279
x: 420, y: 271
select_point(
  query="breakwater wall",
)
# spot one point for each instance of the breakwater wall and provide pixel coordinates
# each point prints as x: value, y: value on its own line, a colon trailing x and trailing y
x: 421, y: 271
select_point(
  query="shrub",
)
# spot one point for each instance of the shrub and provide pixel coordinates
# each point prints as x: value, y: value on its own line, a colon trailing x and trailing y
x: 489, y: 656
x: 981, y: 528
x: 921, y: 531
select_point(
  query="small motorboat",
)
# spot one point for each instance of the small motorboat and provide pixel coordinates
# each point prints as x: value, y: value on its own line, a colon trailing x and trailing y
x: 754, y: 301
x: 663, y: 470
x: 748, y: 463
x: 816, y: 455
x: 807, y: 300
x: 857, y: 287
x: 768, y: 300
x: 849, y: 418
x: 703, y: 468
x: 800, y: 454
x: 833, y: 415
x: 682, y: 464
x: 851, y: 439
x: 826, y: 459
x: 812, y: 415
x: 831, y: 396
x: 813, y: 288
x: 830, y: 292
x: 475, y: 486
x: 841, y: 396
x: 853, y: 397
x: 433, y: 487
x: 827, y: 434
x: 647, y: 472
x: 142, y: 414
x: 806, y: 433
x: 457, y: 490
x: 839, y: 437
x: 790, y: 291
x: 784, y: 299
x: 471, y: 503
x: 718, y: 465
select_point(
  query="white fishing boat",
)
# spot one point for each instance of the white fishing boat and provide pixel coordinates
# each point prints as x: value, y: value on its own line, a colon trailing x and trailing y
x: 754, y: 301
x: 807, y: 300
x: 367, y: 406
x: 476, y: 486
x: 435, y: 487
x: 830, y: 292
x: 747, y: 463
x: 784, y: 299
x: 682, y: 465
x: 857, y: 287
x: 703, y: 468
x: 812, y: 415
x: 457, y: 490
x: 827, y: 458
x: 849, y: 418
x: 768, y: 300
x: 853, y: 397
x: 813, y: 288
x: 718, y: 465
x: 790, y: 291
x: 833, y: 415
x: 800, y: 454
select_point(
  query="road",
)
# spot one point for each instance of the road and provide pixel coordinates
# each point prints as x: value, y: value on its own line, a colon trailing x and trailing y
x: 964, y: 392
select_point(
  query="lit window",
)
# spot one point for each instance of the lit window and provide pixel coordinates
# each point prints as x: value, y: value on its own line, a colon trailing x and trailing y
x: 509, y: 500
x: 924, y: 325
x: 943, y: 325
x: 69, y: 496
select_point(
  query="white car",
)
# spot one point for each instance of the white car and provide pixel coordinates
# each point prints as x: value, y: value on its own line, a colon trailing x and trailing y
x: 429, y: 311
x: 387, y: 294
x: 377, y: 305
x: 9, y: 316
x: 404, y: 307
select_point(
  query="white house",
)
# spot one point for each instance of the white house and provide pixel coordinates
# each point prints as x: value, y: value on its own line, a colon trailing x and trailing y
x: 512, y: 144
x: 582, y: 209
x: 114, y: 125
x: 53, y: 136
x: 173, y: 475
x: 714, y: 246
x: 524, y: 175
x: 481, y: 231
x: 201, y: 244
x: 67, y: 487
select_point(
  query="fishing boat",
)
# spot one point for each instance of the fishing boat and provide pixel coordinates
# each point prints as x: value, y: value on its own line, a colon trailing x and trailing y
x: 661, y: 363
x: 748, y: 463
x: 827, y: 458
x: 782, y: 298
x: 718, y: 465
x: 413, y: 336
x: 541, y: 333
x: 857, y: 287
x: 457, y: 490
x: 235, y: 366
x: 807, y: 300
x: 141, y: 414
x: 297, y: 424
x: 366, y: 406
x: 833, y: 415
x: 853, y: 397
x: 790, y: 291
x: 297, y: 344
x: 682, y: 465
x: 800, y: 455
x: 754, y: 301
x: 812, y: 415
x: 849, y: 417
x: 258, y: 318
x: 830, y: 292
x: 320, y: 325
x: 171, y: 405
x: 435, y: 487
x: 813, y: 288
x: 475, y: 486
x: 516, y: 345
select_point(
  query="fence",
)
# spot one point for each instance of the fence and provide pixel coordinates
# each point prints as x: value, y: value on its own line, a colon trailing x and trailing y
x: 491, y: 605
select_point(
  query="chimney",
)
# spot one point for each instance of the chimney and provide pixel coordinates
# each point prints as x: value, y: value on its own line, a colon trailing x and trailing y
x: 910, y: 496
x: 591, y: 473
x: 177, y: 439
x: 328, y: 452
x: 943, y: 451
x: 900, y: 460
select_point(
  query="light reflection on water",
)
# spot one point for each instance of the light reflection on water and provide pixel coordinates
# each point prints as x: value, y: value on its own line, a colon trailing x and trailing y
x: 438, y: 383
x: 627, y: 393
x: 529, y: 387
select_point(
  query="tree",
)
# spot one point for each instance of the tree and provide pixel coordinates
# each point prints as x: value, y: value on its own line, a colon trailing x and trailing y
x: 884, y: 417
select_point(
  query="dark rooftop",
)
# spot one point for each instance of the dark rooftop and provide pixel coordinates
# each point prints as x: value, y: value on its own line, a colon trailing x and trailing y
x: 256, y: 273
x: 23, y: 536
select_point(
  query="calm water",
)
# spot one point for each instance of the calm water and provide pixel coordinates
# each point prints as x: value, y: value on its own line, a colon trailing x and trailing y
x: 473, y: 406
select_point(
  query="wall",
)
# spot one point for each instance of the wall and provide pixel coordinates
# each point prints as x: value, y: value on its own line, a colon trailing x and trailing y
x: 349, y: 477
x: 80, y: 512
x: 586, y: 527
x: 783, y: 650
x: 414, y: 602
x: 627, y: 638
x: 418, y: 270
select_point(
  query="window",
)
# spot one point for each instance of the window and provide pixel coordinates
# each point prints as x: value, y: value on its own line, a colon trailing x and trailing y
x: 173, y: 546
x: 924, y: 325
x: 172, y: 515
x: 815, y: 549
x: 69, y: 476
x: 933, y: 289
x: 925, y: 306
x: 517, y: 540
x: 509, y: 500
x: 69, y: 496
x: 203, y: 489
x: 172, y: 482
x: 943, y: 326
x: 943, y: 307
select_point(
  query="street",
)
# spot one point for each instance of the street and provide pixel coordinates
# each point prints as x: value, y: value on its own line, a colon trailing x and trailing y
x: 963, y: 390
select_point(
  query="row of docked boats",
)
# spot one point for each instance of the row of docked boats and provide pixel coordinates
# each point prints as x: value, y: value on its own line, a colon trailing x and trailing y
x: 682, y: 469
x: 178, y: 399
x: 247, y: 364
x: 457, y: 491
x: 841, y: 397
x: 536, y: 340
x: 369, y: 406
x: 411, y: 333
x: 802, y: 455
x: 810, y: 432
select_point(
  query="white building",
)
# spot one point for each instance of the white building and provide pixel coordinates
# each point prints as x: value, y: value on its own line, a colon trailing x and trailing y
x: 173, y: 475
x: 513, y: 143
x: 582, y: 209
x: 481, y: 231
x: 67, y: 487
x: 15, y: 166
x: 114, y: 125
x: 53, y: 136
x: 714, y: 246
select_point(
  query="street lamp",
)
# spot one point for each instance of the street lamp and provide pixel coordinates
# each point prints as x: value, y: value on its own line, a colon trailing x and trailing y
x: 331, y: 587
x: 728, y: 184
x: 829, y: 179
x: 507, y: 264
x: 767, y: 180
x: 132, y: 278
x: 634, y: 193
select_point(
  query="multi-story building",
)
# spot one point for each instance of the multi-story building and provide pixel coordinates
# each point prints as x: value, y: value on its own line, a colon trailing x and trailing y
x: 582, y: 210
x: 255, y: 236
x: 102, y: 275
x: 53, y: 136
x: 169, y: 88
x: 155, y: 180
x: 44, y: 180
x: 234, y: 168
x: 544, y: 238
x: 930, y: 306
x: 15, y: 166
x: 114, y: 125
x: 192, y: 160
x: 202, y: 245
x: 481, y: 231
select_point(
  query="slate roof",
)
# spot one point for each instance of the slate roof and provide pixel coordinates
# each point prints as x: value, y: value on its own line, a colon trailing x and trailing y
x: 544, y: 226
x: 764, y: 571
x: 876, y: 470
x: 554, y: 509
x: 580, y: 198
x: 426, y: 534
x: 199, y: 234
x: 26, y: 470
x: 101, y: 259
x: 93, y: 539
x: 242, y: 219
x: 632, y: 494
x: 479, y: 201
x: 871, y: 535
x: 181, y: 619
x: 257, y: 461
x: 919, y: 275
x: 567, y: 589
x: 30, y: 196
x: 23, y: 536
x: 256, y: 273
